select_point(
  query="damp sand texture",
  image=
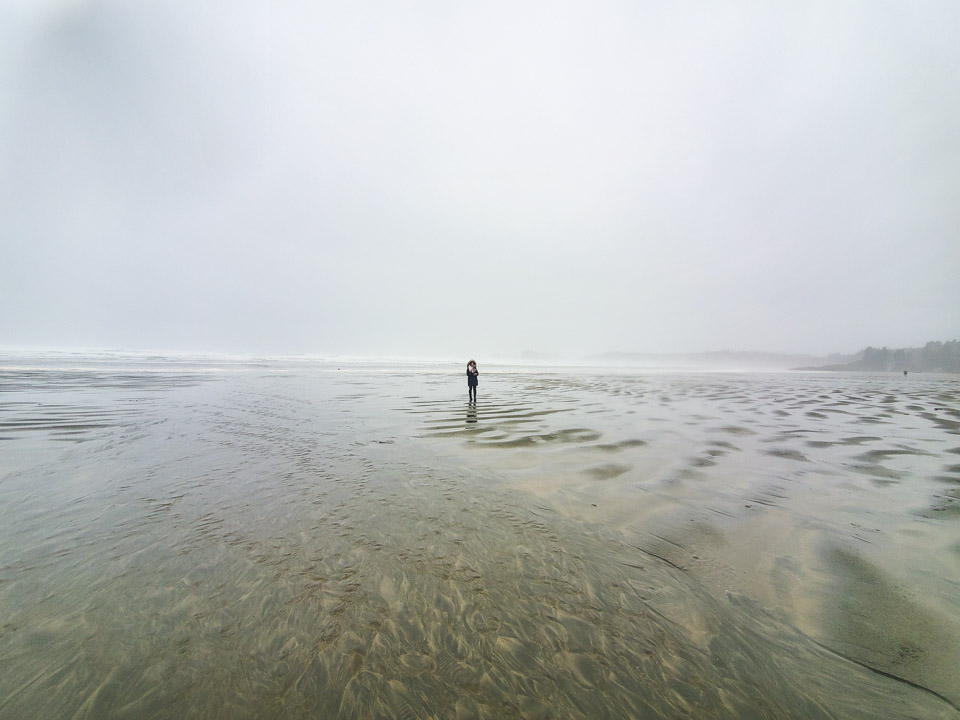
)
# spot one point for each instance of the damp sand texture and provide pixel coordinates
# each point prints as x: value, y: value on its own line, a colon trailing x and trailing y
x: 295, y: 540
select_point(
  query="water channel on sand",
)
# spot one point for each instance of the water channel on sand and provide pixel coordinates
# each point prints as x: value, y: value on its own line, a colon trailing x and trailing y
x: 293, y: 539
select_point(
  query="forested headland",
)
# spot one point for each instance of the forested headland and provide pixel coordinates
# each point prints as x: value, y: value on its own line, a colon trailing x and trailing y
x: 932, y: 357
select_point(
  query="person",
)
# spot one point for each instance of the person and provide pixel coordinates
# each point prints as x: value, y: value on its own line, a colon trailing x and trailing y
x: 472, y: 374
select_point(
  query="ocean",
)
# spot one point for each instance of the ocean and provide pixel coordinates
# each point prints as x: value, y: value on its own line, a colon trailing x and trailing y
x: 223, y: 537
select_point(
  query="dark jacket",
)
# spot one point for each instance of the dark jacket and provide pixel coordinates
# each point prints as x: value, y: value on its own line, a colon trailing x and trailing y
x: 472, y: 377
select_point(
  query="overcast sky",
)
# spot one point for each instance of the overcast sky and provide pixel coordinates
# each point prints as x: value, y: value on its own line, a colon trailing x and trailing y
x: 484, y: 179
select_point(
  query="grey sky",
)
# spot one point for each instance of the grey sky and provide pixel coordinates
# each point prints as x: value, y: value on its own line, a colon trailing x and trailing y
x: 452, y: 179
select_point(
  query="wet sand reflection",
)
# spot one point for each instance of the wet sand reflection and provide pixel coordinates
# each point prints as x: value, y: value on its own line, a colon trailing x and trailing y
x: 297, y: 544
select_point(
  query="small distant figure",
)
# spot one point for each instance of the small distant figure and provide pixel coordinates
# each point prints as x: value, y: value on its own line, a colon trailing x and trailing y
x: 904, y: 373
x: 472, y: 374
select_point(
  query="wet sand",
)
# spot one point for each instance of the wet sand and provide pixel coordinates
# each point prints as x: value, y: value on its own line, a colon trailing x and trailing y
x: 830, y: 499
x: 284, y: 539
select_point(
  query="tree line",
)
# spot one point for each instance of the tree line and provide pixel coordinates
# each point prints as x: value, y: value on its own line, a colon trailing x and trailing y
x: 932, y: 357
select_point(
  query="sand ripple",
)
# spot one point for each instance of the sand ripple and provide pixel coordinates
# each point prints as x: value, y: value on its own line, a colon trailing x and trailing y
x: 305, y: 544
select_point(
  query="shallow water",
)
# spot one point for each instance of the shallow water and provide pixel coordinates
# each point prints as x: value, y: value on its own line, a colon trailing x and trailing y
x: 290, y: 539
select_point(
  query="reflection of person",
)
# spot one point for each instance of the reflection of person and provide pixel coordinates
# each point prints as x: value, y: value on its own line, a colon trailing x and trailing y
x: 472, y: 374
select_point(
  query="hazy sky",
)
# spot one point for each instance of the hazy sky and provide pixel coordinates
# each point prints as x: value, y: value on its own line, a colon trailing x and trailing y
x: 453, y: 179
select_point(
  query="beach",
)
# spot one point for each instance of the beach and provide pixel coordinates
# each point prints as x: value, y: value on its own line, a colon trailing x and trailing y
x: 295, y: 538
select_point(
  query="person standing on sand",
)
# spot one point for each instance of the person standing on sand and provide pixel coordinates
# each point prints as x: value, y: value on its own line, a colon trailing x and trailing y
x: 472, y: 374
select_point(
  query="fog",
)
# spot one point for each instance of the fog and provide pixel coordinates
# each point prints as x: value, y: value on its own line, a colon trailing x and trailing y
x: 436, y: 179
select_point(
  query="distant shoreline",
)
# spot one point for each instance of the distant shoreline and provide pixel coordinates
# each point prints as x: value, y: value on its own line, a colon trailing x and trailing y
x: 938, y: 357
x: 934, y: 357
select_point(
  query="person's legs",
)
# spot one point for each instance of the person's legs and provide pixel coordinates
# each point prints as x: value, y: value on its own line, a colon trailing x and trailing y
x: 473, y: 393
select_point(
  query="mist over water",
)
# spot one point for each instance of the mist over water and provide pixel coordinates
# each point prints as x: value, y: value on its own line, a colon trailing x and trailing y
x: 180, y: 538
